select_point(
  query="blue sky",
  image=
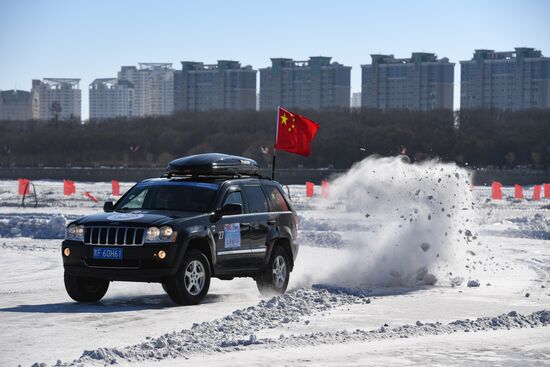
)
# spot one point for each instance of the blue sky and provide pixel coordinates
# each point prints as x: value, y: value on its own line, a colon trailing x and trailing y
x: 92, y: 39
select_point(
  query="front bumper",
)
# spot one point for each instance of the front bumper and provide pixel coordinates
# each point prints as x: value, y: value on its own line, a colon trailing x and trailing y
x: 139, y: 263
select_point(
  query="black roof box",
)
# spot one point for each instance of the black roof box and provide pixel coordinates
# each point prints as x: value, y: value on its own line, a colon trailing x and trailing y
x: 212, y: 164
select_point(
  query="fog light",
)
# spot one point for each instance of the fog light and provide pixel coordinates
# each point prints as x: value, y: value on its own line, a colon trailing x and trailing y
x: 161, y: 254
x: 67, y: 251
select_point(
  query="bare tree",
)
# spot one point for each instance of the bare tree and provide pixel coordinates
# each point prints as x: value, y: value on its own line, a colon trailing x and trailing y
x: 55, y: 109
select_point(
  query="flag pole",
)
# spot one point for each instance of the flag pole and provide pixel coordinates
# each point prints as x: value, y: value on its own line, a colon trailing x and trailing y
x: 276, y: 136
x: 273, y: 165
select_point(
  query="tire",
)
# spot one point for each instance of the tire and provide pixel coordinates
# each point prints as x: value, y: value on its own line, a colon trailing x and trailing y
x: 166, y: 289
x: 274, y: 279
x: 86, y: 290
x: 188, y: 286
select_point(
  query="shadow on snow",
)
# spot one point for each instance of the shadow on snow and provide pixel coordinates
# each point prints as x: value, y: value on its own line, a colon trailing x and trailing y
x: 109, y: 305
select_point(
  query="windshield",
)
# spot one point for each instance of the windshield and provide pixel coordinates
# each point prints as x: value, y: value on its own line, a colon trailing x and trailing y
x: 180, y: 196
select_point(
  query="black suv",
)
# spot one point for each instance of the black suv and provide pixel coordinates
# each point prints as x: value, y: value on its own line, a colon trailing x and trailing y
x: 211, y: 215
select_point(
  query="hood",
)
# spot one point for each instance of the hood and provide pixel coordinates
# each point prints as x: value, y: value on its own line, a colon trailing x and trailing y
x: 137, y: 218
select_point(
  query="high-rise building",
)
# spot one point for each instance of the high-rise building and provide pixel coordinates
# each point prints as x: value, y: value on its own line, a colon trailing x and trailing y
x: 222, y: 86
x: 153, y: 88
x: 511, y: 80
x: 15, y: 105
x: 313, y: 84
x: 111, y: 97
x: 56, y: 98
x: 356, y: 100
x: 422, y: 82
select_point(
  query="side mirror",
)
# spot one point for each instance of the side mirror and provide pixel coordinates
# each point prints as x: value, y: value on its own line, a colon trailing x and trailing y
x: 108, y: 206
x: 228, y: 209
x: 231, y: 209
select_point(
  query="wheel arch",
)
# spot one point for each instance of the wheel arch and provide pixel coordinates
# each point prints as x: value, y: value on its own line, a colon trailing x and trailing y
x: 201, y: 244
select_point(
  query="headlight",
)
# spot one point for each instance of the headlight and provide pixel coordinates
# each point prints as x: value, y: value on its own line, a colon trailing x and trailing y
x: 75, y: 233
x: 162, y: 234
x: 166, y: 233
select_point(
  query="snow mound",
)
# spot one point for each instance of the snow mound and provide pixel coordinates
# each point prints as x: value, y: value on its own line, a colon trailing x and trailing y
x: 402, y: 224
x: 512, y: 320
x: 35, y: 226
x: 538, y: 226
x: 231, y: 332
x: 236, y: 331
x: 320, y: 239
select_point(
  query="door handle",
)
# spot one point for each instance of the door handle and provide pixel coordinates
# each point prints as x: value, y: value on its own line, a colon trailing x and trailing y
x: 271, y: 222
x: 246, y: 226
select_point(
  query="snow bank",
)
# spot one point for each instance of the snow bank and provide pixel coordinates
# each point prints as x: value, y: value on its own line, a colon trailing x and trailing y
x: 538, y: 226
x: 511, y: 320
x: 403, y: 224
x: 236, y: 331
x: 231, y: 332
x: 40, y: 226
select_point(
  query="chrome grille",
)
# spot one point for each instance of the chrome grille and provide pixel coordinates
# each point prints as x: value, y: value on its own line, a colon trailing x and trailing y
x: 106, y: 235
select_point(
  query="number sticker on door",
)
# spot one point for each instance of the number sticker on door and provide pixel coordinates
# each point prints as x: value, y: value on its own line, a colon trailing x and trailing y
x: 232, y: 234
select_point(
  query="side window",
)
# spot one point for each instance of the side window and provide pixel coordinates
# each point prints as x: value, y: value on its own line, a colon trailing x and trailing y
x: 256, y: 199
x: 234, y: 198
x: 277, y: 202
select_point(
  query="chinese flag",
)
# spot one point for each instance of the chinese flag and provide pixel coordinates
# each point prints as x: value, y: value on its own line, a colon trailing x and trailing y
x: 294, y: 133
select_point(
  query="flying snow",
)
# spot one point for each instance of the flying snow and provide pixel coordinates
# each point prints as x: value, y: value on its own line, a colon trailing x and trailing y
x: 397, y: 224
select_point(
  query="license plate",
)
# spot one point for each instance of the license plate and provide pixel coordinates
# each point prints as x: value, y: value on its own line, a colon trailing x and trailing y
x: 107, y: 253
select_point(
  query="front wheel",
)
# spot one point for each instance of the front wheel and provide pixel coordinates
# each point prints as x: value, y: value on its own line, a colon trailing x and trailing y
x: 274, y: 279
x: 84, y: 289
x: 190, y: 284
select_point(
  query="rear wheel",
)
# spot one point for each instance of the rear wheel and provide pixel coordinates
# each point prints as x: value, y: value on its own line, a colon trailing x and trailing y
x: 274, y: 279
x: 190, y: 284
x: 83, y: 289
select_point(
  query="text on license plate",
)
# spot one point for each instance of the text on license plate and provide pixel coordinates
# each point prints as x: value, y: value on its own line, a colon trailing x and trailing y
x: 107, y: 253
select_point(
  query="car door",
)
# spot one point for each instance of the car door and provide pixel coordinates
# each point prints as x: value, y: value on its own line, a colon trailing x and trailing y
x: 258, y: 218
x: 232, y: 235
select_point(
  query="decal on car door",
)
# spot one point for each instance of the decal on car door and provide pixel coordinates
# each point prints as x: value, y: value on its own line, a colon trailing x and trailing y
x: 232, y: 232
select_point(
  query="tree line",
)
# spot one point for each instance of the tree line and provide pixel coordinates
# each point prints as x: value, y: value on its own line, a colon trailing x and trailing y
x: 468, y: 137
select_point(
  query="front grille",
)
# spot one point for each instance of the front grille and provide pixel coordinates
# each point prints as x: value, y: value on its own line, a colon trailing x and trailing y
x: 99, y: 235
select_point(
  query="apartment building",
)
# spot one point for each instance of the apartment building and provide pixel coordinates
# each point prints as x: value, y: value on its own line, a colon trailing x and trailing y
x: 312, y: 84
x: 422, y: 82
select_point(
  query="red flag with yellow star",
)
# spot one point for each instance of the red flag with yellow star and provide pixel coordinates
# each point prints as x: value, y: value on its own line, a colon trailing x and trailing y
x: 294, y: 133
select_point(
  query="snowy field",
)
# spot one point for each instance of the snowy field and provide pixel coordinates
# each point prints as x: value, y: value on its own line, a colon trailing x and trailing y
x: 402, y: 265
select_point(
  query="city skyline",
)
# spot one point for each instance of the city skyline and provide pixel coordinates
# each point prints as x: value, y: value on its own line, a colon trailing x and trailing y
x: 92, y: 40
x: 422, y: 82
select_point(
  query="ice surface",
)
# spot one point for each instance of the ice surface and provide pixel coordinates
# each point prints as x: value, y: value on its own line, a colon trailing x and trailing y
x: 354, y: 299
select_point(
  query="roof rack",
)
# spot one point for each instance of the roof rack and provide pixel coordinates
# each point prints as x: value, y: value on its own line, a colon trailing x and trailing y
x: 212, y: 165
x: 210, y: 176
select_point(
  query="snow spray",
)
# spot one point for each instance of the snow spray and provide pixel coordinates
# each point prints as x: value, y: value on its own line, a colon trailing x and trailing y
x: 401, y: 225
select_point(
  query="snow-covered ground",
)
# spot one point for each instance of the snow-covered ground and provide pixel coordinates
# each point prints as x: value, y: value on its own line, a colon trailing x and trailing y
x: 403, y: 265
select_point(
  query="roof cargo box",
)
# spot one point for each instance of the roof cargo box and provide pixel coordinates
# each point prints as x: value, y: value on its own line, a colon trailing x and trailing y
x: 212, y: 164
